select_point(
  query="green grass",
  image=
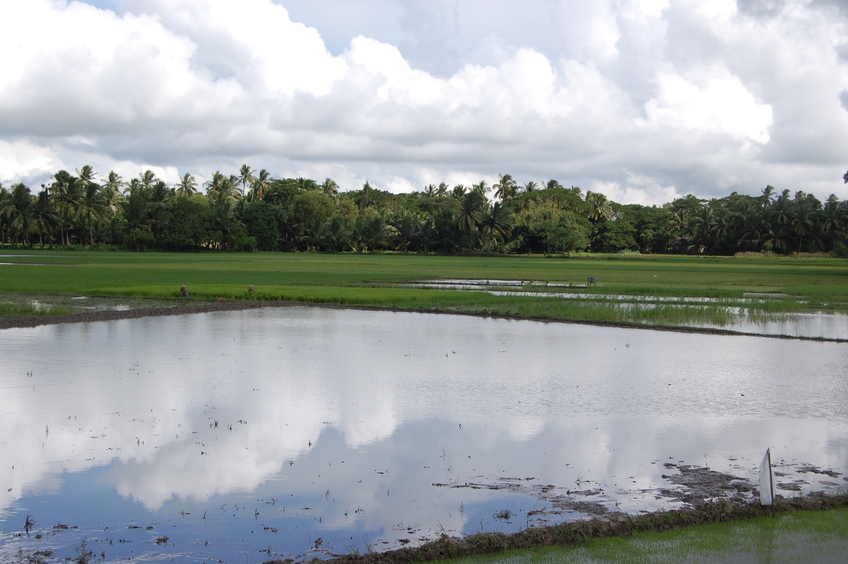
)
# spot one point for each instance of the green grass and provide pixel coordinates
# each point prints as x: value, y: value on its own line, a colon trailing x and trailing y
x: 353, y: 279
x: 30, y: 310
x: 799, y: 536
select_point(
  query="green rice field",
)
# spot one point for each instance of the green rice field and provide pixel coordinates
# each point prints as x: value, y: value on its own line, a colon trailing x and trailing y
x: 779, y: 284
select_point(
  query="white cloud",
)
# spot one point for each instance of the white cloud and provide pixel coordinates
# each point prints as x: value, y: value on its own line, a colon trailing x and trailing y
x: 20, y: 160
x: 701, y: 97
x: 721, y: 105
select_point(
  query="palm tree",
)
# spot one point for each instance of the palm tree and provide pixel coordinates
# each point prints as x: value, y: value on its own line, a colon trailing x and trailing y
x: 365, y: 199
x: 186, y: 187
x: 4, y: 227
x: 506, y: 188
x: 17, y: 210
x: 114, y: 182
x: 306, y: 184
x: 371, y: 233
x: 245, y: 177
x: 768, y: 192
x: 147, y: 178
x: 260, y: 185
x: 214, y: 183
x: 781, y: 210
x: 113, y: 191
x: 497, y: 222
x: 329, y: 187
x: 832, y: 220
x: 223, y: 222
x: 459, y: 191
x: 222, y: 187
x: 802, y: 219
x: 336, y: 234
x: 599, y: 206
x: 480, y: 187
x: 407, y: 228
x: 44, y: 217
x: 470, y: 214
x: 531, y: 186
x: 92, y: 205
x: 157, y: 207
x: 67, y: 195
x: 702, y: 225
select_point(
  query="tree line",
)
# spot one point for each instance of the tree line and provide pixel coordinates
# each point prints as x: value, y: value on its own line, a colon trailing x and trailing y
x: 253, y: 211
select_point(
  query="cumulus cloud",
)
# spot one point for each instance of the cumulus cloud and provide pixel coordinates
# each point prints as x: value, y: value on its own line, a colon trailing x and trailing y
x: 641, y: 99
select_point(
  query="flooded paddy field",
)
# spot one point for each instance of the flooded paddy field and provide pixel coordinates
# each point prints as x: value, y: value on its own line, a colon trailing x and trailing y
x: 245, y: 436
x: 742, y: 315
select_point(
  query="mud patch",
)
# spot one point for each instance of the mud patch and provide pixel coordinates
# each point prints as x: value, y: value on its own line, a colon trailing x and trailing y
x: 791, y: 486
x: 700, y: 484
x: 559, y: 500
x: 809, y: 469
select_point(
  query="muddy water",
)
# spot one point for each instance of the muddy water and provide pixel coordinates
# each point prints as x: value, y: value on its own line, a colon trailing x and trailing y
x: 253, y: 435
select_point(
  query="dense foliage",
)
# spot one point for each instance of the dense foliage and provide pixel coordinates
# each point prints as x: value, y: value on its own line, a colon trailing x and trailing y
x: 252, y: 211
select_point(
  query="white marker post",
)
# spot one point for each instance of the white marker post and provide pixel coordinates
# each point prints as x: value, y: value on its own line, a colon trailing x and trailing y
x: 766, y: 480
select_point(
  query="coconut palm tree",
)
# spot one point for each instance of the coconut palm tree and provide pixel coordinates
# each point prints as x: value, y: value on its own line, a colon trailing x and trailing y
x: 186, y: 187
x: 17, y: 211
x: 506, y: 188
x: 66, y: 196
x: 222, y: 187
x: 430, y: 191
x: 114, y: 182
x: 147, y: 178
x: 113, y: 192
x: 832, y: 216
x: 371, y: 233
x: 599, y: 206
x: 367, y: 196
x: 802, y: 219
x: 496, y: 223
x: 44, y: 217
x: 329, y: 187
x: 480, y: 187
x: 214, y: 183
x: 92, y: 206
x: 470, y: 215
x: 260, y: 185
x: 245, y: 177
x: 406, y: 229
x: 459, y: 191
x: 336, y: 234
x: 4, y: 224
x: 306, y: 184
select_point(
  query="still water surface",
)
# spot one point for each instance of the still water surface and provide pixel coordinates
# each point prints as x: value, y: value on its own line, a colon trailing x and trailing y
x: 293, y: 432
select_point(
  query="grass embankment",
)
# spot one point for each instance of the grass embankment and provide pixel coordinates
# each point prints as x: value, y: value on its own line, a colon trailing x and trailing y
x: 800, y: 536
x: 371, y: 280
x: 801, y: 529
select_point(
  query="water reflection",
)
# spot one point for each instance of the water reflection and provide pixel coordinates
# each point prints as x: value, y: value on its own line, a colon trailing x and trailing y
x: 232, y: 433
x: 818, y: 325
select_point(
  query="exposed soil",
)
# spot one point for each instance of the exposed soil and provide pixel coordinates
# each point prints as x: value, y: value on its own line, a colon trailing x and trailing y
x: 700, y: 484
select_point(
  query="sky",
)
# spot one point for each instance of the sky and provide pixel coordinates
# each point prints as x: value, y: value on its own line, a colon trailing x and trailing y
x: 642, y: 100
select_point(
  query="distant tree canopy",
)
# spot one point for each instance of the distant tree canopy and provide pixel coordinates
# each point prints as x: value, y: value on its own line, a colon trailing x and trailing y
x: 253, y: 211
